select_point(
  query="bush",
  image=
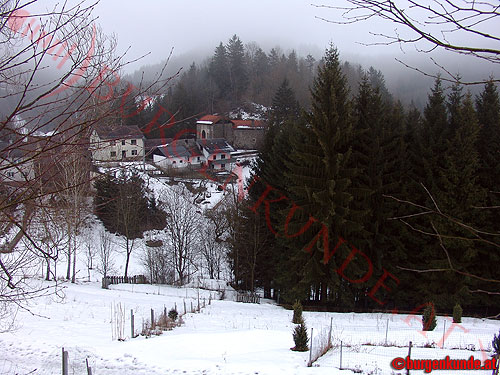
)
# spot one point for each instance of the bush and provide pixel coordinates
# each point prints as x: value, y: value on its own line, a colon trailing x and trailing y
x: 457, y: 314
x: 429, y: 318
x: 300, y: 338
x: 297, y: 313
x: 496, y: 344
x: 173, y: 314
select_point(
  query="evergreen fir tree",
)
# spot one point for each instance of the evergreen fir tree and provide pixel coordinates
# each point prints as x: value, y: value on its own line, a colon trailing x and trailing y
x: 457, y: 314
x: 238, y: 75
x: 429, y: 321
x: 297, y: 313
x: 219, y: 70
x: 300, y: 338
x: 488, y: 145
x: 319, y: 178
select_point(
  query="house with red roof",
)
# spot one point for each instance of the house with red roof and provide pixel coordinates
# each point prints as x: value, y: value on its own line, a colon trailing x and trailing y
x: 241, y: 134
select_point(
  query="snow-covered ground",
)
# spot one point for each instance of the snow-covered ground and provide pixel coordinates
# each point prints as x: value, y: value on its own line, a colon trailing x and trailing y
x: 224, y: 338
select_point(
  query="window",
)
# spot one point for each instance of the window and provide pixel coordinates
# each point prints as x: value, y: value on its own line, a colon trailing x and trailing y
x: 180, y: 161
x: 133, y: 141
x: 174, y: 162
x: 10, y: 174
x: 124, y: 154
x: 134, y: 152
x: 203, y: 134
x: 198, y: 158
x: 223, y: 156
x: 112, y: 143
x: 123, y: 143
x: 113, y: 154
x: 214, y: 157
x: 223, y: 165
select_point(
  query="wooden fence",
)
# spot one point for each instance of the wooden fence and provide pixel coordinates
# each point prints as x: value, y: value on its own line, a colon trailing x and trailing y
x: 247, y: 297
x: 110, y: 280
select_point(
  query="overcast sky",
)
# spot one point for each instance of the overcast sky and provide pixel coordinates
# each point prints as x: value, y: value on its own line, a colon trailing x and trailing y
x: 156, y: 26
x: 195, y: 27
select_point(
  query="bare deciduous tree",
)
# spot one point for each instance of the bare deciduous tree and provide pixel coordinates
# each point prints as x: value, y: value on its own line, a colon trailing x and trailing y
x: 105, y: 254
x: 474, y: 236
x: 461, y: 26
x: 156, y: 260
x: 182, y: 231
x: 57, y: 73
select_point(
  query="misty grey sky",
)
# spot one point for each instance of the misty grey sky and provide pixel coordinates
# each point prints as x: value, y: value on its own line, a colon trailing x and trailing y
x: 194, y: 28
x: 156, y: 26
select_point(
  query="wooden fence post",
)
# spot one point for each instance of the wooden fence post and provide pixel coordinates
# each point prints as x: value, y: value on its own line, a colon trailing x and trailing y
x: 64, y: 362
x: 89, y: 369
x: 409, y: 354
x: 311, y: 349
x: 330, y: 333
x: 132, y: 335
x: 386, y: 331
x: 341, y: 347
x: 152, y: 319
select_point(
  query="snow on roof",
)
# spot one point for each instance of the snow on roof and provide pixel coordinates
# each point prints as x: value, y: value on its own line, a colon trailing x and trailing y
x: 119, y: 132
x: 248, y: 124
x: 216, y: 145
x: 205, y: 122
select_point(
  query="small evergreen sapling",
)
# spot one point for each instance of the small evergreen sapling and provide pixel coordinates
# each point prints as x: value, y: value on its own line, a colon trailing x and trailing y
x: 457, y: 314
x: 172, y: 314
x: 429, y: 318
x: 300, y: 338
x: 297, y: 313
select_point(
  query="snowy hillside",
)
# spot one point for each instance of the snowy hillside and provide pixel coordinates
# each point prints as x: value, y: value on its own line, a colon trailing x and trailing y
x: 224, y: 338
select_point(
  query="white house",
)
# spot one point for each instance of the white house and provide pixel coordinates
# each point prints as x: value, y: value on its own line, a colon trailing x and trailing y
x: 16, y: 163
x: 117, y: 143
x: 217, y: 153
x: 180, y: 153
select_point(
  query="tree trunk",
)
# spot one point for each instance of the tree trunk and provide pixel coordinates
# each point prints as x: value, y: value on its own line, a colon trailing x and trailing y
x: 73, y: 277
x: 128, y: 257
x: 47, y: 277
x: 68, y: 270
x: 324, y: 294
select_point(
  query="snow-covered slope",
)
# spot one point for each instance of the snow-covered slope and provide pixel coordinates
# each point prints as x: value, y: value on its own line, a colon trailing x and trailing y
x: 224, y: 338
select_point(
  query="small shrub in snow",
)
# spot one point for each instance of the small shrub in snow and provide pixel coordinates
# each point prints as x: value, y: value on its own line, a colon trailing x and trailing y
x: 457, y: 314
x: 297, y: 313
x: 173, y: 314
x: 496, y: 344
x: 429, y: 318
x: 300, y: 338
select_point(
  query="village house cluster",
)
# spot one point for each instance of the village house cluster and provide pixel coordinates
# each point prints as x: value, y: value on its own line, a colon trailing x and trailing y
x: 218, y: 143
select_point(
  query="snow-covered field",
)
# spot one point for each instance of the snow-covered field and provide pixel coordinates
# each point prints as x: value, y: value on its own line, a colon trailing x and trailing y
x: 224, y: 338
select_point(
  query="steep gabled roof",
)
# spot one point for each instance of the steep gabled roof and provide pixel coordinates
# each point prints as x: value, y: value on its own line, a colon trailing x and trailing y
x: 210, y: 119
x: 215, y: 146
x: 119, y: 132
x: 248, y: 124
x: 179, y: 149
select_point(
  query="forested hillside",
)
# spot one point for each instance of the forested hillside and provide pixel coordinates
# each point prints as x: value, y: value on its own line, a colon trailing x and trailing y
x: 234, y: 77
x: 359, y: 197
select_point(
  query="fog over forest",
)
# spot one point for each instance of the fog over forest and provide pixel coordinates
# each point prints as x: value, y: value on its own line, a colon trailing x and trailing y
x: 403, y: 82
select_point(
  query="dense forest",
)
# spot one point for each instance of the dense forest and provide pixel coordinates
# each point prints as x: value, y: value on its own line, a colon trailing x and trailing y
x: 357, y: 203
x: 236, y: 77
